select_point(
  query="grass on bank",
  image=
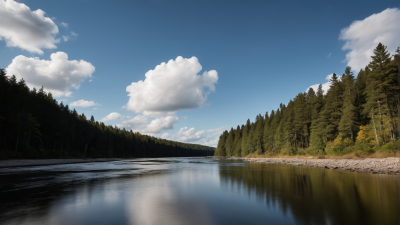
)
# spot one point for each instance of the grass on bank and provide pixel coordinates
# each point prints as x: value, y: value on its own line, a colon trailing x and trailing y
x: 338, y: 149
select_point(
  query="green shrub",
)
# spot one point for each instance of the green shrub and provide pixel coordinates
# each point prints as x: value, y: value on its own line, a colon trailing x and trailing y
x: 390, y: 147
x: 340, y: 146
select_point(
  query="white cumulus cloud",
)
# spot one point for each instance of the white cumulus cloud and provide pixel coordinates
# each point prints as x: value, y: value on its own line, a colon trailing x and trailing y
x: 57, y: 75
x: 139, y: 124
x: 26, y: 29
x: 83, y: 103
x: 171, y: 87
x: 362, y: 36
x: 113, y: 116
x: 203, y: 137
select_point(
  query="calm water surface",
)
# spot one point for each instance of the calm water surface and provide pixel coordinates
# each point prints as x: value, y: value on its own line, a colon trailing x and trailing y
x: 173, y: 191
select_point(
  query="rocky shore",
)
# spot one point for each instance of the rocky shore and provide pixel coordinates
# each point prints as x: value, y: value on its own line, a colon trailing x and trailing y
x: 368, y: 165
x: 46, y: 162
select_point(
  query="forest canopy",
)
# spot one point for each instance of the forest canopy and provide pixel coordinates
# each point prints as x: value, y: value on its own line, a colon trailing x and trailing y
x: 356, y: 115
x: 34, y: 125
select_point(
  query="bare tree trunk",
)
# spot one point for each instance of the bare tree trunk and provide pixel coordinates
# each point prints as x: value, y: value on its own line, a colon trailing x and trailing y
x: 376, y: 136
x: 380, y: 122
x: 392, y: 138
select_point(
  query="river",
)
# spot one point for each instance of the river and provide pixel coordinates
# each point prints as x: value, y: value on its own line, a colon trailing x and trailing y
x: 174, y: 191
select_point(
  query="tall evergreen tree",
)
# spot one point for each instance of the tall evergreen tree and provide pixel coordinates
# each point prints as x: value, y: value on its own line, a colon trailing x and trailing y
x: 229, y: 147
x: 348, y: 122
x: 268, y: 133
x: 258, y: 135
x: 245, y: 137
x: 330, y: 116
x: 238, y: 142
x: 382, y: 89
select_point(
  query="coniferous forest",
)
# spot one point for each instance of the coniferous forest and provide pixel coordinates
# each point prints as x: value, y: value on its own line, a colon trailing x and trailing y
x: 357, y: 115
x: 34, y: 125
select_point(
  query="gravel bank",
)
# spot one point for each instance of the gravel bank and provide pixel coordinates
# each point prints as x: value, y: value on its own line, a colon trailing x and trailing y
x: 369, y: 165
x: 44, y: 162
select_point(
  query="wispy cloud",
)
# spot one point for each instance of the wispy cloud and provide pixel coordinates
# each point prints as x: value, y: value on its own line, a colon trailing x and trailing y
x: 65, y: 38
x: 64, y: 24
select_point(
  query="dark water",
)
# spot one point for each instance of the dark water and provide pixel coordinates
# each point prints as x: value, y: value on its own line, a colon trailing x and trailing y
x: 173, y: 191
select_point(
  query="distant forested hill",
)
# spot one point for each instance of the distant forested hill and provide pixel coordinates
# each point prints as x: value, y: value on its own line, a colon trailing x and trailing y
x: 355, y: 115
x: 34, y: 125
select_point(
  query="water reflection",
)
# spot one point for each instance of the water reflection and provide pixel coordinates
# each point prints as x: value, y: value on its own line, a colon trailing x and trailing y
x: 165, y: 205
x: 317, y: 196
x: 127, y: 192
x: 194, y: 191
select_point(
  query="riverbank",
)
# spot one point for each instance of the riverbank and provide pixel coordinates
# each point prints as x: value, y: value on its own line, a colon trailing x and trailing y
x: 46, y: 162
x: 368, y: 165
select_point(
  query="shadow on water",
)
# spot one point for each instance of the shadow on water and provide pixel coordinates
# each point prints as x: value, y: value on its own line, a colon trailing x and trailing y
x: 317, y: 196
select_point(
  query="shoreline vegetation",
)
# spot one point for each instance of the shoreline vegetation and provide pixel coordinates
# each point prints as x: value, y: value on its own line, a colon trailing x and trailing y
x: 355, y: 118
x: 33, y: 125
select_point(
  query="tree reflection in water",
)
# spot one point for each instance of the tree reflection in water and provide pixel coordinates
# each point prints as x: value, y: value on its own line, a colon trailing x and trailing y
x: 318, y: 196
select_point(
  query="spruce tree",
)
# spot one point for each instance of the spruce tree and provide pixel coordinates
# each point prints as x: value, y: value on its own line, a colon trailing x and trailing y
x: 268, y: 133
x: 238, y: 142
x: 348, y: 122
x: 382, y: 90
x: 229, y: 147
x: 221, y: 151
x: 259, y: 133
x: 361, y: 84
x: 330, y: 116
x: 251, y: 140
x: 245, y: 137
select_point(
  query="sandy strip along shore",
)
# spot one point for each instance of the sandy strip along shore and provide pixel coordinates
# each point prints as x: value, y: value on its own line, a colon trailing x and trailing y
x: 46, y: 162
x: 368, y: 165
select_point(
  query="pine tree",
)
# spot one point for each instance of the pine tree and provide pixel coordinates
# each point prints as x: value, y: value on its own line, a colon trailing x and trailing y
x: 382, y: 90
x: 330, y: 116
x: 301, y: 121
x: 229, y: 147
x: 238, y: 141
x: 251, y: 143
x: 245, y: 137
x: 268, y: 133
x: 258, y: 135
x: 361, y: 84
x: 348, y: 122
x: 311, y: 100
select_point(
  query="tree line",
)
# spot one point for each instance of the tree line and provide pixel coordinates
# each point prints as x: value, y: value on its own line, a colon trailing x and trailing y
x: 355, y: 115
x: 34, y: 125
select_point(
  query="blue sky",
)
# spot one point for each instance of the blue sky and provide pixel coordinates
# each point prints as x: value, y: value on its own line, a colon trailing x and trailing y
x: 255, y: 55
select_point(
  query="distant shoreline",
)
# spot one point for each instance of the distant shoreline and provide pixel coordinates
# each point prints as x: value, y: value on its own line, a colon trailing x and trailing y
x: 47, y: 162
x: 368, y: 165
